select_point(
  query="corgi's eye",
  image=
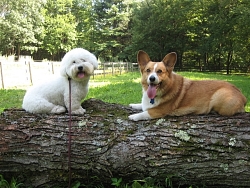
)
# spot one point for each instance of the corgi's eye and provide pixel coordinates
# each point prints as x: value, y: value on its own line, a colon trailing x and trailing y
x: 148, y: 70
x: 159, y: 71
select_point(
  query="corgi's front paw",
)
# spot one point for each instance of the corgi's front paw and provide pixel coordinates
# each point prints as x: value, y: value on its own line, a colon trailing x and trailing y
x: 134, y: 117
x: 136, y: 106
x: 140, y: 116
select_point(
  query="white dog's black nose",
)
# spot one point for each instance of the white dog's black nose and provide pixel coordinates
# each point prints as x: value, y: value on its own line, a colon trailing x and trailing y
x: 80, y: 68
x: 152, y: 78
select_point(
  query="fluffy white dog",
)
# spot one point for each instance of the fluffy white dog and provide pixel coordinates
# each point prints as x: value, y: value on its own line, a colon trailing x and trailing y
x: 53, y: 96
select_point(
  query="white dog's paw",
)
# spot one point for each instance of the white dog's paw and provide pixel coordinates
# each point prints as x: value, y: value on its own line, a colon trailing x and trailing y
x: 136, y: 106
x: 58, y: 109
x: 140, y: 116
x: 79, y: 111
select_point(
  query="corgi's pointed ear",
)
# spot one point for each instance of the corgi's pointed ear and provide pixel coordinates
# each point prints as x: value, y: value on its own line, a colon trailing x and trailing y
x: 169, y: 60
x: 143, y: 59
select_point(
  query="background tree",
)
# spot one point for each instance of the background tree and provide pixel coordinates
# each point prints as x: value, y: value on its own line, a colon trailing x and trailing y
x: 21, y: 24
x: 161, y: 26
x: 210, y: 34
x: 219, y: 34
x: 85, y: 20
x: 204, y: 33
x: 60, y: 27
x: 112, y: 23
x: 242, y: 35
x: 221, y: 22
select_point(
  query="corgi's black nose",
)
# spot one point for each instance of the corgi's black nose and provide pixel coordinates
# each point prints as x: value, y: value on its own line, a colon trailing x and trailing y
x: 151, y: 78
x: 80, y: 68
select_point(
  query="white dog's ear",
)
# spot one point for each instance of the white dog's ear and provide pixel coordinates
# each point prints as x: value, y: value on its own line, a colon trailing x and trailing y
x: 94, y: 61
x: 95, y: 64
x: 63, y: 72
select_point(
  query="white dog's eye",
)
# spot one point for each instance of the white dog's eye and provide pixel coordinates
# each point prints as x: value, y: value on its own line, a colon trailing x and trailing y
x: 74, y: 62
x: 83, y: 60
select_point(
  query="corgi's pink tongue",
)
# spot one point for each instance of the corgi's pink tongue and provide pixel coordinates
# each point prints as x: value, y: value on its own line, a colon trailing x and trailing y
x: 80, y: 75
x: 151, y: 91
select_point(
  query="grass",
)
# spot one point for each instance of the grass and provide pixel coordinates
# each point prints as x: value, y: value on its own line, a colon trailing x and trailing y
x: 122, y: 89
x: 5, y: 184
x: 126, y: 88
x: 115, y: 182
x: 11, y: 98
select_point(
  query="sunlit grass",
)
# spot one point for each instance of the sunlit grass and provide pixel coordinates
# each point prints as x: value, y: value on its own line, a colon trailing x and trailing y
x: 126, y: 88
x: 122, y: 89
x: 11, y: 98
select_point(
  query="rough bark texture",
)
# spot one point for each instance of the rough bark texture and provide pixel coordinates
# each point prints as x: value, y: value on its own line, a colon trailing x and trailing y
x: 210, y: 149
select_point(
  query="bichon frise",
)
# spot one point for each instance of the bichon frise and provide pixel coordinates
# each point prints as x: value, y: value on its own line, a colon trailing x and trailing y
x: 53, y: 96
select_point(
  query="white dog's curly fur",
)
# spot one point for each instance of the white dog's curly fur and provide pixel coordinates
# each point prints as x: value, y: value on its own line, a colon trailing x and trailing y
x: 53, y: 96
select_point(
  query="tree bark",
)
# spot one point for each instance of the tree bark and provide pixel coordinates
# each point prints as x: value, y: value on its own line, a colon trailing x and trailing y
x: 209, y: 150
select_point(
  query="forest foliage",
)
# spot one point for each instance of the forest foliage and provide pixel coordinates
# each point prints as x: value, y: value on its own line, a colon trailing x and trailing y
x: 209, y: 34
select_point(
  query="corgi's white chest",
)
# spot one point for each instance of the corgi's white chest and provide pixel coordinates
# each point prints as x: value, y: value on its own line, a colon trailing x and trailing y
x: 146, y: 102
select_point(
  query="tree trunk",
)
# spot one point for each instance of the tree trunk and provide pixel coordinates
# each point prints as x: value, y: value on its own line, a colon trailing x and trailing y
x: 229, y: 61
x: 206, y: 150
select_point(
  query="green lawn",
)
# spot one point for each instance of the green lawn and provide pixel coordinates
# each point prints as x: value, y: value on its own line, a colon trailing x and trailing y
x: 126, y: 88
x: 10, y: 98
x: 123, y: 89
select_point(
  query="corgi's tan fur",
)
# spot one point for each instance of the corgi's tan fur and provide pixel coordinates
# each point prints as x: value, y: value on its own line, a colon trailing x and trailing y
x: 167, y: 93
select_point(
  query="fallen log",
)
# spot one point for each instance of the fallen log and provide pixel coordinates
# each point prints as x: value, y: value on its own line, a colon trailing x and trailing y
x: 206, y: 150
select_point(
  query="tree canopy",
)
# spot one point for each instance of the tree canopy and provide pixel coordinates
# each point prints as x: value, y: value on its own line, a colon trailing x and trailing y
x: 210, y: 34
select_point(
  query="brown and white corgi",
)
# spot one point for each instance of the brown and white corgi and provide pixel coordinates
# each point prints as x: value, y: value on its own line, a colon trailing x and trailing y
x: 167, y: 93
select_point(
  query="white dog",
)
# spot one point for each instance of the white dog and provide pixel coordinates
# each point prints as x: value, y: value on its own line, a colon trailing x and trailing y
x: 53, y: 96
